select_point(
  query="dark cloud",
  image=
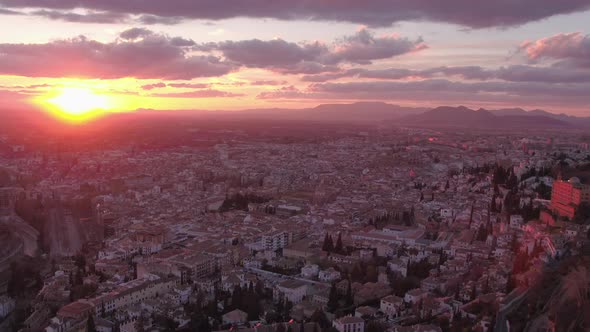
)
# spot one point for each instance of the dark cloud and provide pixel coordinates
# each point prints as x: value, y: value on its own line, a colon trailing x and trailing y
x: 91, y: 17
x: 153, y: 86
x: 364, y: 47
x: 153, y: 19
x: 267, y: 54
x: 175, y: 85
x: 153, y: 56
x: 514, y: 73
x: 209, y: 93
x: 189, y: 85
x: 134, y: 33
x: 10, y: 12
x: 497, y: 13
x: 441, y: 90
x: 267, y: 82
x: 311, y: 58
x: 286, y: 92
x: 32, y: 86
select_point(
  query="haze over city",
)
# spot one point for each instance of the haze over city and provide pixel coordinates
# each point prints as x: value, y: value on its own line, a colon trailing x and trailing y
x: 294, y: 166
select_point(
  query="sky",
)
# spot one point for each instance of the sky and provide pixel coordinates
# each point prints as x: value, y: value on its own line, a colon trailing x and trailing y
x: 235, y: 54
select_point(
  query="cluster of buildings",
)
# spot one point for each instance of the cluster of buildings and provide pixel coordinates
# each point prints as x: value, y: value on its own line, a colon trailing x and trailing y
x: 419, y: 235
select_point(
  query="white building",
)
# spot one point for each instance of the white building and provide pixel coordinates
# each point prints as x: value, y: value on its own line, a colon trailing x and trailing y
x: 415, y: 295
x: 349, y: 324
x: 292, y: 290
x: 329, y: 275
x: 391, y: 306
x: 516, y: 221
x: 6, y: 306
x: 310, y: 271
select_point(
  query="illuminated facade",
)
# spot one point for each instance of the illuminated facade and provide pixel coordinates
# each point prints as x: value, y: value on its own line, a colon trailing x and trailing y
x: 566, y: 196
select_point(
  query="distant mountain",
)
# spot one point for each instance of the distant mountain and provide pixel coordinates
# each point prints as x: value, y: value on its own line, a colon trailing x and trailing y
x: 356, y: 112
x: 463, y: 117
x: 572, y: 120
x: 364, y: 111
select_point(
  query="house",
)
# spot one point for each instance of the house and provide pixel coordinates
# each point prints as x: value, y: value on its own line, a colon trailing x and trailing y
x: 310, y: 271
x: 7, y: 305
x: 391, y: 305
x: 430, y: 284
x: 365, y: 311
x: 418, y: 328
x: 292, y: 290
x: 415, y: 295
x: 234, y: 317
x: 398, y: 265
x: 516, y: 221
x: 329, y: 275
x: 349, y: 324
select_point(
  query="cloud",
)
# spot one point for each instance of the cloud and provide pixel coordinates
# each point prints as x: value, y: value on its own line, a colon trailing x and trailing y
x: 499, y: 13
x: 316, y: 57
x: 164, y: 20
x: 32, y: 86
x: 10, y: 12
x: 441, y: 90
x: 209, y: 93
x: 189, y: 85
x: 513, y: 73
x: 90, y: 17
x: 364, y: 47
x: 134, y: 33
x: 267, y: 82
x: 152, y: 56
x: 570, y: 49
x: 176, y: 85
x: 153, y: 86
x: 257, y: 53
x: 286, y: 92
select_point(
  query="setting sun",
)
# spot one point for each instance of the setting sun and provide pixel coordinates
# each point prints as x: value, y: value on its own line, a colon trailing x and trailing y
x: 78, y: 102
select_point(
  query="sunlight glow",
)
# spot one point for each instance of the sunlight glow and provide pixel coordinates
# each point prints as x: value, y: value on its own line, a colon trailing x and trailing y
x: 78, y: 102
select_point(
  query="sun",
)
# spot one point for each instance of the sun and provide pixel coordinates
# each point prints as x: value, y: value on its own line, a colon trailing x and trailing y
x: 77, y: 103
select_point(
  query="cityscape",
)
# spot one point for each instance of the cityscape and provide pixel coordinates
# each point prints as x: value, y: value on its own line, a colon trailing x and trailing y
x: 294, y: 166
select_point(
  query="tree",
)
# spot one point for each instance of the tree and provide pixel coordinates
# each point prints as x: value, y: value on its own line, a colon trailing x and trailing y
x: 333, y: 299
x: 371, y: 274
x: 339, y: 247
x: 482, y: 234
x: 90, y: 326
x: 319, y: 317
x: 200, y: 322
x: 349, y: 297
x: 376, y: 326
x: 328, y: 245
x: 510, y: 284
x: 139, y: 324
x: 236, y: 299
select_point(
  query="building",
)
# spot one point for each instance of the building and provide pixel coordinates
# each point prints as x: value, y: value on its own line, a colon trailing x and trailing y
x: 6, y: 306
x: 349, y: 324
x: 566, y: 196
x: 292, y: 290
x: 391, y: 305
x: 234, y: 317
x: 329, y: 275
